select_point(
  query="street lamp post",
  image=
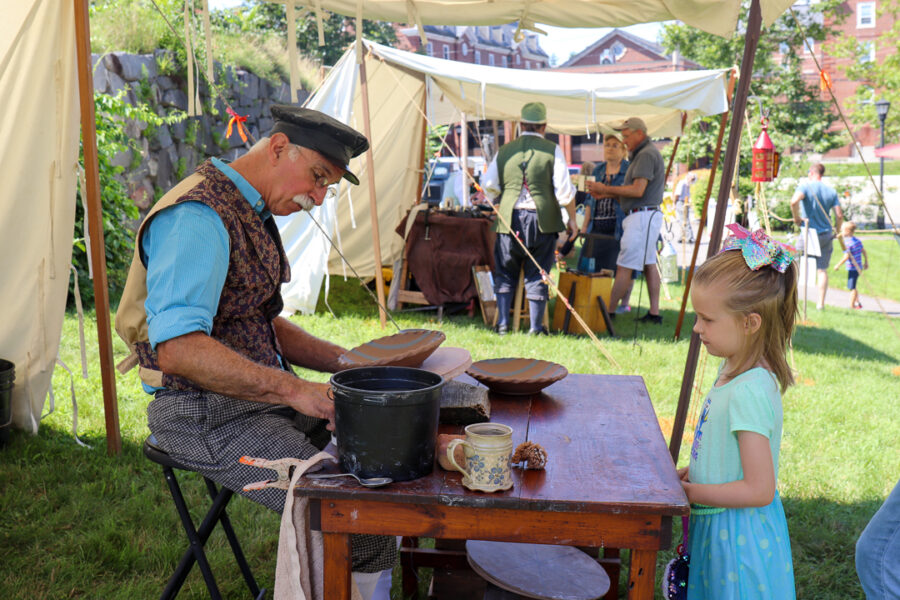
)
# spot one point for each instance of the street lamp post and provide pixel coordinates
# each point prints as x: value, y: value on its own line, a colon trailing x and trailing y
x: 881, y: 108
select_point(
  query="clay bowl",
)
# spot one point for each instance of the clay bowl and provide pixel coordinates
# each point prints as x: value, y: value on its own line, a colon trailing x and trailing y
x: 405, y: 349
x: 516, y: 376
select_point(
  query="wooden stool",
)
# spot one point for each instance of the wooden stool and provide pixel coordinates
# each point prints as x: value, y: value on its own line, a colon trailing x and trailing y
x: 198, y: 536
x: 539, y: 571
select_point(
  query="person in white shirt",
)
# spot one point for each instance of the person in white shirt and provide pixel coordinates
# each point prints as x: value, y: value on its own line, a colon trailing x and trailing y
x: 530, y: 181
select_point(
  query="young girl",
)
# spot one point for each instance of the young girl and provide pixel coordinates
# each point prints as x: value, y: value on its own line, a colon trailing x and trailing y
x: 745, y: 299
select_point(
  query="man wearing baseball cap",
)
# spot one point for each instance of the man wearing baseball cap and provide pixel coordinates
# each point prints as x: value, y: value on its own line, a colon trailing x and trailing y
x: 530, y: 180
x: 201, y: 311
x: 639, y: 197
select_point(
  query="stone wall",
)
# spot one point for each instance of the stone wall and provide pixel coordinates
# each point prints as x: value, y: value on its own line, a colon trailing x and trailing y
x: 170, y: 152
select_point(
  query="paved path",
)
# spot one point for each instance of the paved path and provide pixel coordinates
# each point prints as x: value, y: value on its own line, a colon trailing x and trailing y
x: 835, y: 297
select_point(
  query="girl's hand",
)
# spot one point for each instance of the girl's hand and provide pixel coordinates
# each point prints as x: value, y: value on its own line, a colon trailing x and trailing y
x: 683, y: 473
x: 689, y: 489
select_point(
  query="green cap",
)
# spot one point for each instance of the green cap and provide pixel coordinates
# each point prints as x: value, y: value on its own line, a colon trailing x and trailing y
x: 317, y: 131
x: 534, y: 112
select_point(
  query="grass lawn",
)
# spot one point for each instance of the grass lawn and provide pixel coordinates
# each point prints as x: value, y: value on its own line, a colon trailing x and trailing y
x: 80, y: 524
x: 882, y: 278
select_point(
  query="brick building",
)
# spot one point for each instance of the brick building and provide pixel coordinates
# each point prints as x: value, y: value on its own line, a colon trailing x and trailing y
x: 493, y: 45
x: 863, y: 24
x: 623, y: 52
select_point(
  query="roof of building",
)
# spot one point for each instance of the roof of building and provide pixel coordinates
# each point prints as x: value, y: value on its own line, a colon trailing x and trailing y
x: 650, y: 47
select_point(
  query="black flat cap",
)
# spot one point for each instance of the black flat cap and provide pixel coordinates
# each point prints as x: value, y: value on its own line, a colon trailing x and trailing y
x: 317, y: 131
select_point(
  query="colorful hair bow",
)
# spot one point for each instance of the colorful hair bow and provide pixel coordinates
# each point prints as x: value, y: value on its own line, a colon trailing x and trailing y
x: 758, y: 249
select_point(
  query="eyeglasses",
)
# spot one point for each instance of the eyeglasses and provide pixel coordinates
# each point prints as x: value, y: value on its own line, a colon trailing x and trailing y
x: 321, y: 181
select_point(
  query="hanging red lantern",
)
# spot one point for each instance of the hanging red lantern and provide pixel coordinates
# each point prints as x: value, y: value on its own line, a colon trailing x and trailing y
x: 765, y: 158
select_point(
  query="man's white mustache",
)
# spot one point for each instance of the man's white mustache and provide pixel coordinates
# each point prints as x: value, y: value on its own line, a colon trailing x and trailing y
x: 305, y: 201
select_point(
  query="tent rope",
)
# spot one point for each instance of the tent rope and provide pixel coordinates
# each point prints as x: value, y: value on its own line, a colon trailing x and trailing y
x: 763, y: 208
x: 544, y: 275
x: 213, y: 89
x: 837, y: 105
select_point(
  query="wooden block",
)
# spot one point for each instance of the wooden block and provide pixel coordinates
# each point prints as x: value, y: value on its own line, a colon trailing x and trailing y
x: 463, y: 403
x: 484, y: 283
x: 587, y: 289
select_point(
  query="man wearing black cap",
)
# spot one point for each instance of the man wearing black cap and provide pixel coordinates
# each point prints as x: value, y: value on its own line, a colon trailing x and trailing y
x: 201, y: 311
x: 639, y: 197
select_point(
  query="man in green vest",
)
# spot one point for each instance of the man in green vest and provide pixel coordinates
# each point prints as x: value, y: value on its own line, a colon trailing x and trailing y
x: 530, y: 180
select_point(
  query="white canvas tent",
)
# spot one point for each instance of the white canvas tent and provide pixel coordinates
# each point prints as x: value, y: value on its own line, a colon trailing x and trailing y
x: 37, y: 199
x: 405, y: 88
x: 38, y: 46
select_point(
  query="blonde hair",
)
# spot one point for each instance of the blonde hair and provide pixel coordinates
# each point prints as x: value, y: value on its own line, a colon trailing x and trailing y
x: 850, y: 225
x: 766, y: 292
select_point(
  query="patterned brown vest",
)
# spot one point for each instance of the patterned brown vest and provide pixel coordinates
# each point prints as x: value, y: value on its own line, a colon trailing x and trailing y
x: 257, y: 266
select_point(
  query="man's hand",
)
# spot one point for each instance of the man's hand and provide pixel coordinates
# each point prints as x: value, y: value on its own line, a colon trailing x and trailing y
x: 312, y: 399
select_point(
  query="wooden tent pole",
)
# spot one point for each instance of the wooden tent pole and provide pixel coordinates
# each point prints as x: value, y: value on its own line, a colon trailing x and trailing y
x: 464, y: 159
x: 675, y: 149
x: 709, y: 185
x: 751, y: 40
x: 94, y: 219
x: 373, y: 208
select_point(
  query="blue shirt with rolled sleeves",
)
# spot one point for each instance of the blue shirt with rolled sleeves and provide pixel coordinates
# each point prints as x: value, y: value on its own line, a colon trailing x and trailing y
x: 186, y: 250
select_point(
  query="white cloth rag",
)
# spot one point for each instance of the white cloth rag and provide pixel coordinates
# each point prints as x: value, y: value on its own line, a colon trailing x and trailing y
x: 300, y: 569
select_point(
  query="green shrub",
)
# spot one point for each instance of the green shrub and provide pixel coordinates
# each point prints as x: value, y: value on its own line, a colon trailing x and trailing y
x: 118, y: 209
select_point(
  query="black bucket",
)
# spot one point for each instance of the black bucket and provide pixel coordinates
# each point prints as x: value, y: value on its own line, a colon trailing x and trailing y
x: 7, y: 378
x: 386, y: 420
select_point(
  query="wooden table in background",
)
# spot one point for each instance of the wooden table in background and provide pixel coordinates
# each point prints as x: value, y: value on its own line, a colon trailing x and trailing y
x: 609, y: 482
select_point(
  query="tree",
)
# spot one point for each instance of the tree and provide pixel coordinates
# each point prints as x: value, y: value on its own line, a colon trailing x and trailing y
x: 799, y: 118
x: 258, y: 15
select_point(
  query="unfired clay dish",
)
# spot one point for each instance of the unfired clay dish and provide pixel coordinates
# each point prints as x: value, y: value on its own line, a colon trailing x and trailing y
x: 405, y: 349
x: 516, y: 376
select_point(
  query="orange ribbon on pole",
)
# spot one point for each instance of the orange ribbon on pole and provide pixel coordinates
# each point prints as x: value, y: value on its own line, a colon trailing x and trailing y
x: 824, y: 81
x: 238, y: 120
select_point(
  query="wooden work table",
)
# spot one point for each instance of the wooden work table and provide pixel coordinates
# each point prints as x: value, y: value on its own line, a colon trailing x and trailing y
x: 609, y: 482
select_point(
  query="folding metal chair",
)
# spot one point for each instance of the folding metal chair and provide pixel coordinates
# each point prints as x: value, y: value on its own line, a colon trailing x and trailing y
x: 198, y: 536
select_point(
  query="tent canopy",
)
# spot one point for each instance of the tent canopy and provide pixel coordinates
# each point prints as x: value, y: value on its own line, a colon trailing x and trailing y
x: 719, y: 17
x: 405, y: 87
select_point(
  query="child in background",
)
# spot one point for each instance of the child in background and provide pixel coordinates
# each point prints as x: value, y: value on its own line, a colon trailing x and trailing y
x: 745, y: 299
x: 856, y: 258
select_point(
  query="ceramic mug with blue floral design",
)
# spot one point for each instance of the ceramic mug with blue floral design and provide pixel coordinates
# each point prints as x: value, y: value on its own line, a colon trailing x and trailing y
x: 488, y: 447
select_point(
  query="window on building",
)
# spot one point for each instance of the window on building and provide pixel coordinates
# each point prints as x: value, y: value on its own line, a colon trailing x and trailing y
x: 478, y: 57
x: 465, y: 49
x: 867, y: 52
x: 618, y: 50
x: 518, y: 59
x: 446, y: 52
x: 491, y: 59
x: 809, y: 47
x: 783, y: 49
x: 429, y: 49
x: 504, y: 60
x: 865, y: 15
x: 606, y: 57
x: 527, y: 64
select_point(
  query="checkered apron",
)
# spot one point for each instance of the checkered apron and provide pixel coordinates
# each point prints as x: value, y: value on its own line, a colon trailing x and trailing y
x: 208, y: 433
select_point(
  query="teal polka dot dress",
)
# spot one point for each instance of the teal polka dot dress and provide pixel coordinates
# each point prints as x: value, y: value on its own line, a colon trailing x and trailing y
x: 738, y: 553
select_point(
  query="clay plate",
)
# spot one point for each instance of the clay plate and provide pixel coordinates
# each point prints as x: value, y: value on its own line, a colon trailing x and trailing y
x: 405, y: 349
x: 516, y: 376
